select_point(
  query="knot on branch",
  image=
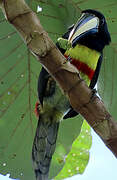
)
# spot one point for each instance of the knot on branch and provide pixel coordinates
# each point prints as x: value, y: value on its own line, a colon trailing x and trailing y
x: 65, y: 65
x: 101, y: 116
x: 83, y: 101
x: 14, y: 9
x: 76, y: 84
x: 38, y: 43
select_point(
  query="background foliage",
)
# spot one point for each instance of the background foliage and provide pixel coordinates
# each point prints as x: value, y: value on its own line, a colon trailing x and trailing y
x: 18, y: 90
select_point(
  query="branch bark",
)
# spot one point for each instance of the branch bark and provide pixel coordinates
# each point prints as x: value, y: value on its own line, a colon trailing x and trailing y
x: 82, y: 99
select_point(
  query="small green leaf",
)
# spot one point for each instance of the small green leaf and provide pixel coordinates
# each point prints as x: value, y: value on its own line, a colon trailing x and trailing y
x: 78, y: 157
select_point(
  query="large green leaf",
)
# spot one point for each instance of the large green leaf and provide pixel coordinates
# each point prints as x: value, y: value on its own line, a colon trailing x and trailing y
x: 18, y: 83
x: 18, y: 73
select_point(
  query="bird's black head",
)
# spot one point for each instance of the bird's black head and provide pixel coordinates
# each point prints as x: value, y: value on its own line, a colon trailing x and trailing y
x: 91, y: 30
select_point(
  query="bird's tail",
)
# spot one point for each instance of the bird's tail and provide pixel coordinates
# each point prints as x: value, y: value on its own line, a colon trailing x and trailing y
x: 44, y: 147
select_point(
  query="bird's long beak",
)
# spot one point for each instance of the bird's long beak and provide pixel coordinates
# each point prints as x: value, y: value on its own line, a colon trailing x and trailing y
x: 87, y: 24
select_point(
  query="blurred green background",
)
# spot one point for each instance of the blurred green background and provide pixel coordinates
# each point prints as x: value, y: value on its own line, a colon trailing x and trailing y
x: 19, y: 71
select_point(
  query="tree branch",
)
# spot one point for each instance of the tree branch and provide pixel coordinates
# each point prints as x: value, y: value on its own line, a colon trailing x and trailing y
x: 82, y: 99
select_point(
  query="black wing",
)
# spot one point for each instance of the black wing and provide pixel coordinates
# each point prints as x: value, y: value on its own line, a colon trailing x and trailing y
x: 46, y: 85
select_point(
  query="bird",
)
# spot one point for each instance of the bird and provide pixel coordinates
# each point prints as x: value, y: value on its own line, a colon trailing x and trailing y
x: 82, y: 45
